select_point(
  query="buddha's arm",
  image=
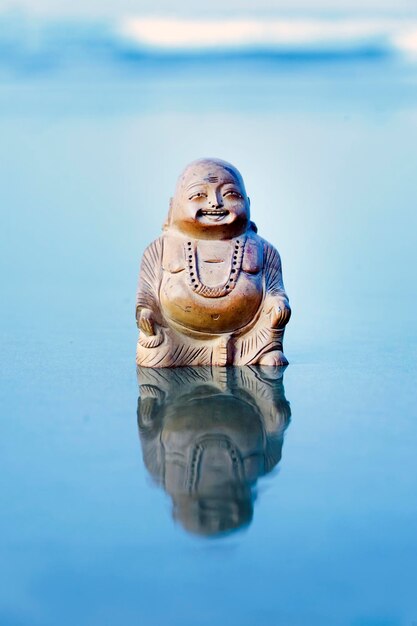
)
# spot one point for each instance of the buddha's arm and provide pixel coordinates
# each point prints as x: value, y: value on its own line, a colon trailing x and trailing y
x: 276, y: 297
x: 147, y: 303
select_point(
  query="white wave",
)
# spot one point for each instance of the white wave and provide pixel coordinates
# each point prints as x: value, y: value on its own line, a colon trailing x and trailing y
x: 30, y: 45
x: 406, y: 42
x: 288, y: 34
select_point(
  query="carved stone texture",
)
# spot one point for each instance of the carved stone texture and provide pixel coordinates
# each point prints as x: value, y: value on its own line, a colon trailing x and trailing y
x: 208, y: 434
x: 210, y: 288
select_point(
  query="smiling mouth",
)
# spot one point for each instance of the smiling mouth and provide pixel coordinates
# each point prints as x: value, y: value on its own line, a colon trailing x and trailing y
x: 212, y: 213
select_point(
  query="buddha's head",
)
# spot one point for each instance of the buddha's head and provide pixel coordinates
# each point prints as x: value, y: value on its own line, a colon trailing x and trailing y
x: 210, y: 201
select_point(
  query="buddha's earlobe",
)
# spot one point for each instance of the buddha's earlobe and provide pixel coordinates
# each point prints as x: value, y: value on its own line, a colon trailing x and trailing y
x: 251, y: 224
x: 168, y: 220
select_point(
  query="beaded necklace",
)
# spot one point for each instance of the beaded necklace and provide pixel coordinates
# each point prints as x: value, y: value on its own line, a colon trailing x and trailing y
x: 219, y: 290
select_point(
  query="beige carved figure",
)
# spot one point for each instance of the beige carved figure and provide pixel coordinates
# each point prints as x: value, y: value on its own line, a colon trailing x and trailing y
x: 210, y: 289
x: 208, y: 435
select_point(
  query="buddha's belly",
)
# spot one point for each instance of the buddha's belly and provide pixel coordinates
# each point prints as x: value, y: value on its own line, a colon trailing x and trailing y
x: 211, y: 315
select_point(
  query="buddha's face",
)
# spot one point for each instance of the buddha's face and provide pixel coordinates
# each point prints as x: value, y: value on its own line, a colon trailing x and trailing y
x: 210, y: 201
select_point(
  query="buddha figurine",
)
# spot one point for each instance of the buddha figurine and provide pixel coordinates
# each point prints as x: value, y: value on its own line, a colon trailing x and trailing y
x: 208, y: 435
x: 210, y: 289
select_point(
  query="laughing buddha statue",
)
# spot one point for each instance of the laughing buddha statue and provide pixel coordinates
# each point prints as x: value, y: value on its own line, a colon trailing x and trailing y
x: 210, y: 288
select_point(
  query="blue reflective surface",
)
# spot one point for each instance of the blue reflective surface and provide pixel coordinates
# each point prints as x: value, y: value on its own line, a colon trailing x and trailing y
x: 86, y: 169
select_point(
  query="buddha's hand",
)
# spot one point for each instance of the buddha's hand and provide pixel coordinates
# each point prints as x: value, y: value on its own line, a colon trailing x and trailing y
x: 146, y: 321
x: 280, y: 314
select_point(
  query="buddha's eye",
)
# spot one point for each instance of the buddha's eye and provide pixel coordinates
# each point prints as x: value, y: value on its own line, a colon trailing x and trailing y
x: 198, y: 194
x: 232, y: 193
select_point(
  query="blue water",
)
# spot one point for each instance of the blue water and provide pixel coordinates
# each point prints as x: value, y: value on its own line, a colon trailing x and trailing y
x: 88, y: 160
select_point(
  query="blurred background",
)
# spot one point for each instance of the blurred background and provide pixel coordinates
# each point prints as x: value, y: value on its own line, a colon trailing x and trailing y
x: 102, y: 104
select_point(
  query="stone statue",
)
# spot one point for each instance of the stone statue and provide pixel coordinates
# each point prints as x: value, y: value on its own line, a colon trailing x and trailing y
x: 210, y: 289
x: 207, y: 436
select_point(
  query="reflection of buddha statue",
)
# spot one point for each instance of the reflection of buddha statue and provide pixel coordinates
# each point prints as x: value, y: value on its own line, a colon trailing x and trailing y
x: 207, y: 435
x: 210, y: 289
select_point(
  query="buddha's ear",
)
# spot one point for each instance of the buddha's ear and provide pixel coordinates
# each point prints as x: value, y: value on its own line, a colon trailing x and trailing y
x: 167, y: 222
x: 252, y: 225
